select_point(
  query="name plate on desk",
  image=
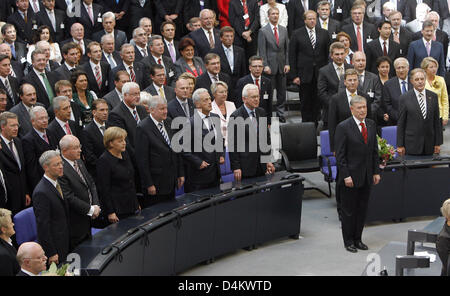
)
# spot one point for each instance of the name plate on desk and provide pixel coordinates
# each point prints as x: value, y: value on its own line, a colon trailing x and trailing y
x: 286, y: 185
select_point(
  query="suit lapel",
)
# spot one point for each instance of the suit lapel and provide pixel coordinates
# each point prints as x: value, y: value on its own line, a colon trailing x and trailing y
x: 356, y: 130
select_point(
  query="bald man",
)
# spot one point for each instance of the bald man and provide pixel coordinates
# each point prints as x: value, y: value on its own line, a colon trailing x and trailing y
x: 32, y: 259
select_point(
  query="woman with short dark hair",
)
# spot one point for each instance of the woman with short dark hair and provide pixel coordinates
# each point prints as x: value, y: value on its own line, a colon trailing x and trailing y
x: 188, y: 62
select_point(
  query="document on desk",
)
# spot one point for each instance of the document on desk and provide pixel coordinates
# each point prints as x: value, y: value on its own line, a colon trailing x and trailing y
x: 426, y: 254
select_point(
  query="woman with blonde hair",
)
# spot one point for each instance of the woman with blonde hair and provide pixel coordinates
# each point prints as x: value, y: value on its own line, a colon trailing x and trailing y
x: 443, y: 240
x: 436, y: 84
x: 221, y: 106
x: 8, y: 263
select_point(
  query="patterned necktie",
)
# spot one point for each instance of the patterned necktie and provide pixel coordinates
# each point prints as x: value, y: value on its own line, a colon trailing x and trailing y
x: 44, y: 136
x: 48, y: 87
x: 67, y: 127
x: 111, y: 61
x: 132, y: 76
x: 98, y: 76
x: 135, y: 115
x: 163, y: 133
x: 396, y: 37
x: 275, y: 33
x: 11, y: 147
x: 161, y: 93
x: 359, y: 38
x: 325, y: 25
x: 91, y: 14
x: 144, y: 53
x: 83, y: 179
x: 9, y: 90
x: 364, y: 131
x: 312, y: 38
x: 404, y: 87
x: 247, y: 20
x: 422, y: 106
x: 58, y: 188
x: 428, y: 47
x: 172, y: 53
x: 211, y: 39
x: 341, y: 72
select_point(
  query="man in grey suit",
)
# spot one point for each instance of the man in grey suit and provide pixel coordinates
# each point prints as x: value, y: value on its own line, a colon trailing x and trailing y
x: 419, y: 130
x: 114, y: 97
x: 29, y: 100
x: 109, y: 24
x: 157, y: 87
x: 273, y: 44
x: 324, y: 20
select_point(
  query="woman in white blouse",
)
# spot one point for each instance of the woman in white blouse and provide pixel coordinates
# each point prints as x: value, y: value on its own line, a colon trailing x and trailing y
x: 264, y: 18
x: 43, y: 34
x: 221, y: 106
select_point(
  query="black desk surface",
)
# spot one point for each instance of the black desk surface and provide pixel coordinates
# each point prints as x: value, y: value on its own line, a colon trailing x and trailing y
x: 161, y: 213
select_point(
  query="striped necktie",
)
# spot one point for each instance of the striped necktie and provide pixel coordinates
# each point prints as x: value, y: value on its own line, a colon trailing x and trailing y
x: 422, y: 106
x: 98, y: 76
x: 163, y: 133
x: 312, y: 38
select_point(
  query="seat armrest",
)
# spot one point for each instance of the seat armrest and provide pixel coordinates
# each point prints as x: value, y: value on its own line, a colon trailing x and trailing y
x: 285, y: 160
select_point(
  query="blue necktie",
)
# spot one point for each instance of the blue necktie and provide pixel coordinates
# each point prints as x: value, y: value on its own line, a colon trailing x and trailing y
x: 13, y: 50
x: 404, y: 87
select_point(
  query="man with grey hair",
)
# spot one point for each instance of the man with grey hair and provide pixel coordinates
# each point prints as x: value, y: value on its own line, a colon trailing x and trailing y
x: 160, y: 167
x: 146, y: 24
x: 79, y: 188
x: 51, y: 208
x: 38, y: 140
x: 109, y: 24
x: 145, y: 101
x: 45, y: 47
x: 208, y: 37
x: 248, y: 164
x: 31, y: 258
x: 13, y: 162
x: 62, y: 125
x: 140, y: 44
x: 156, y: 57
x: 203, y: 165
x: 358, y: 166
x: 27, y: 94
x: 109, y: 53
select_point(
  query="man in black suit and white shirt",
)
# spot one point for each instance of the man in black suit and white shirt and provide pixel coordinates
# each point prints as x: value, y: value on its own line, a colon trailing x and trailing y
x: 325, y: 21
x: 109, y: 54
x: 203, y: 167
x: 79, y: 189
x: 160, y: 168
x: 170, y: 44
x: 52, y: 209
x: 55, y: 19
x: 419, y: 130
x: 97, y: 71
x: 308, y: 46
x: 232, y: 57
x: 207, y: 37
x: 182, y: 106
x: 8, y: 83
x: 70, y: 53
x: 249, y: 164
x: 18, y: 49
x: 400, y: 34
x: 140, y: 44
x: 37, y: 141
x: 17, y: 68
x: 114, y: 97
x: 213, y: 73
x: 157, y: 88
x: 90, y: 17
x: 109, y: 24
x: 296, y: 10
x: 361, y: 32
x: 93, y: 146
x: 62, y: 125
x: 358, y: 165
x: 24, y: 20
x: 13, y: 162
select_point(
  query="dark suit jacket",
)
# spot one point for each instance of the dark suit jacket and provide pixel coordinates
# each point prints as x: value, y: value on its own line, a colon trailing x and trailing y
x: 120, y: 38
x: 203, y: 81
x: 140, y: 71
x: 86, y: 42
x: 355, y: 158
x: 235, y: 13
x: 52, y: 220
x: 112, y: 5
x: 58, y: 132
x: 305, y: 60
x: 191, y: 8
x: 169, y: 92
x: 21, y: 51
x: 391, y: 95
x: 42, y: 96
x: 167, y: 7
x: 75, y: 191
x: 174, y: 109
x: 295, y: 14
x: 328, y: 83
x: 333, y: 27
x: 193, y: 159
x: 33, y: 147
x: 116, y: 57
x: 93, y: 147
x: 138, y: 55
x: 18, y: 69
x: 15, y: 177
x: 441, y: 36
x: 120, y: 116
x: 112, y: 99
x: 24, y: 118
x: 405, y: 40
x: 63, y: 72
x: 24, y: 30
x: 248, y: 162
x: 158, y: 164
x: 401, y: 6
x: 89, y: 28
x: 339, y: 110
x: 417, y: 52
x: 105, y: 73
x: 418, y: 135
x: 3, y: 193
x: 202, y: 46
x: 441, y: 7
x: 369, y: 30
x: 240, y: 64
x: 265, y: 91
x: 9, y: 266
x: 136, y: 11
x: 61, y: 24
x: 166, y: 49
x: 168, y: 65
x: 12, y: 101
x: 374, y: 50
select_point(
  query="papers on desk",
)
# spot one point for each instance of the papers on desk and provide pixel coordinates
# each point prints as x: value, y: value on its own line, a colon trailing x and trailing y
x: 426, y: 254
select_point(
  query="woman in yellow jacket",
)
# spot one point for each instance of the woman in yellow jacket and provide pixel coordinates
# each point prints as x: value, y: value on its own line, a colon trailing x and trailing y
x: 436, y: 84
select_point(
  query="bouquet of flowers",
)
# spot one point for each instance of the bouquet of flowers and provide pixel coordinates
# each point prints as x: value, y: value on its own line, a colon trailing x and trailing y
x: 55, y: 271
x: 386, y: 152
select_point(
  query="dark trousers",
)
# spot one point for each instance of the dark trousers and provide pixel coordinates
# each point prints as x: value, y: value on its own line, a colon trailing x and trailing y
x: 354, y: 203
x: 279, y: 83
x: 191, y: 187
x: 309, y: 104
x: 151, y: 200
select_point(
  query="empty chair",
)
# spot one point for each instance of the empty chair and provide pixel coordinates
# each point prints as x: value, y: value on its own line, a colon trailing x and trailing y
x: 25, y: 226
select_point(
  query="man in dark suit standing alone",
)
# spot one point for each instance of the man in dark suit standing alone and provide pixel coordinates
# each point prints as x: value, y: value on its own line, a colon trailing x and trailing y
x: 160, y: 168
x: 419, y: 130
x: 308, y: 47
x: 51, y: 209
x: 358, y: 166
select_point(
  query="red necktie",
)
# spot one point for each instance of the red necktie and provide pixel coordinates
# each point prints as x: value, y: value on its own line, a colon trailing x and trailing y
x: 247, y: 20
x: 384, y: 49
x: 275, y: 32
x: 68, y: 132
x: 132, y: 75
x: 257, y: 82
x: 45, y: 138
x: 363, y: 131
x: 359, y: 39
